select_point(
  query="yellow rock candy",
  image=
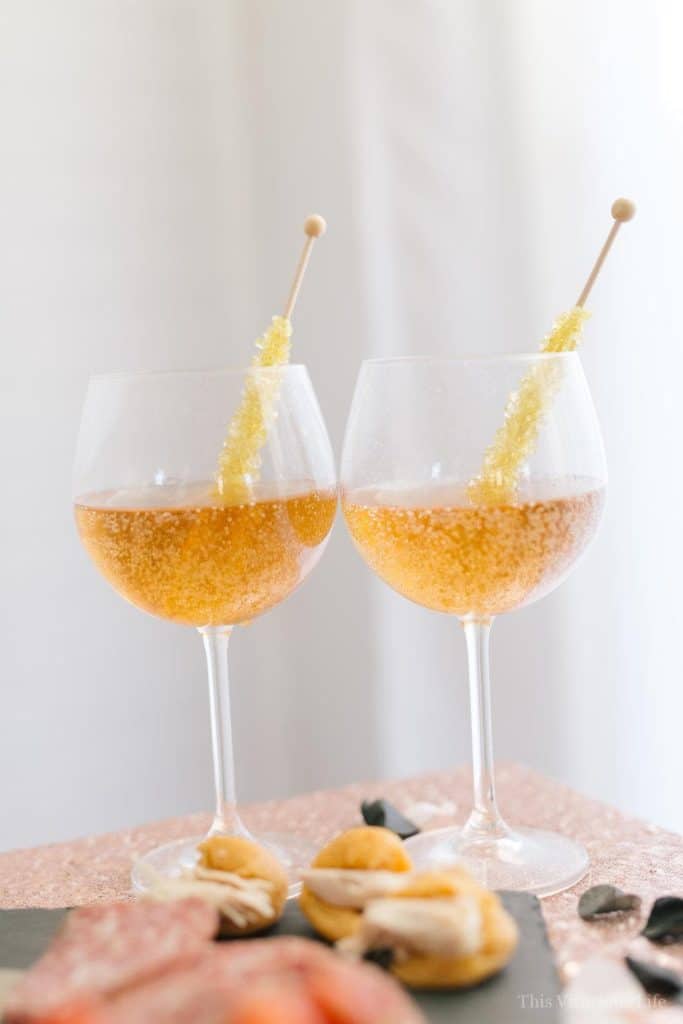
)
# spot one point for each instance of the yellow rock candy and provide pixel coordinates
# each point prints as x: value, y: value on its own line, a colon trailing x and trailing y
x: 516, y: 438
x: 239, y: 463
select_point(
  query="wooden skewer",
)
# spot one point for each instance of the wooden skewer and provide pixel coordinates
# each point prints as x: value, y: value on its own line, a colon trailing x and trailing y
x: 622, y: 210
x: 314, y: 227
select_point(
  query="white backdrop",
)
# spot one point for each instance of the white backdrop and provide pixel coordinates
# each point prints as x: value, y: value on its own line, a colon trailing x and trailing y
x: 157, y: 158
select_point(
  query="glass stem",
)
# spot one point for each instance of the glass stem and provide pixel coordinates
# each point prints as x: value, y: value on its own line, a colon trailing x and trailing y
x: 485, y: 820
x: 226, y: 819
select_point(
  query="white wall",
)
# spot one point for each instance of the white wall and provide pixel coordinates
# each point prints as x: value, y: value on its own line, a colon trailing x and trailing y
x: 156, y: 160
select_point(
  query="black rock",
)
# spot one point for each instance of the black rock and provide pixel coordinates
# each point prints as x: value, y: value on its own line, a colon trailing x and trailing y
x: 381, y: 812
x: 606, y: 899
x: 665, y: 923
x: 657, y: 981
x: 383, y: 957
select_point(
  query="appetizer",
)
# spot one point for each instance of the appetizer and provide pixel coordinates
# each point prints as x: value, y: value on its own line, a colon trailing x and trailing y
x: 431, y: 929
x: 441, y: 930
x: 357, y: 865
x: 241, y: 880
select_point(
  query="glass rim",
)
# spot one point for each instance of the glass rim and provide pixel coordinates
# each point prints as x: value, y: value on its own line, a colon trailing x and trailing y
x: 500, y: 357
x: 209, y: 371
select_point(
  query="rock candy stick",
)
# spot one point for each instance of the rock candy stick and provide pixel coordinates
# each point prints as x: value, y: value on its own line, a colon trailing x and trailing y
x: 239, y: 463
x: 516, y: 439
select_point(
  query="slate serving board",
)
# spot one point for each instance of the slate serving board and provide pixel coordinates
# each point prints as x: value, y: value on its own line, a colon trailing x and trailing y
x: 529, y: 982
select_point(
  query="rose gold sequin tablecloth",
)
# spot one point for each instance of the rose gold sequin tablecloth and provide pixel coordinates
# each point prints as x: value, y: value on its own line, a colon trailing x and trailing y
x: 637, y: 857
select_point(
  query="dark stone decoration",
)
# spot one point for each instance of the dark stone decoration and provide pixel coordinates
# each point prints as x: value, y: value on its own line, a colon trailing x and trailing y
x: 665, y: 923
x: 606, y: 899
x: 384, y: 814
x: 656, y: 980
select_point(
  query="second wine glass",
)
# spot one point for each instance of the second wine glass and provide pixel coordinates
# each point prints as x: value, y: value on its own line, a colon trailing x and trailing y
x: 150, y: 517
x: 417, y: 433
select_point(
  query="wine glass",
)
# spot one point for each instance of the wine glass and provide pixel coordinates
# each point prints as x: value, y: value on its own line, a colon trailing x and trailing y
x: 150, y: 517
x: 417, y: 433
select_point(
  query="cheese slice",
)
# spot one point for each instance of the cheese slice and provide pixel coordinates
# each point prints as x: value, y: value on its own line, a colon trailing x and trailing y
x: 346, y: 887
x: 448, y: 927
x: 243, y: 901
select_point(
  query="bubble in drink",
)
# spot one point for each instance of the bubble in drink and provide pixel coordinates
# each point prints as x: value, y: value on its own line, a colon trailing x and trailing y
x: 182, y: 554
x: 433, y: 546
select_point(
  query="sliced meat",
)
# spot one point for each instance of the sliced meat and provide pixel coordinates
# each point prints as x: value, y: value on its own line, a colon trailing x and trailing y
x: 279, y: 1006
x: 104, y: 950
x: 205, y: 992
x: 267, y: 981
x: 361, y: 993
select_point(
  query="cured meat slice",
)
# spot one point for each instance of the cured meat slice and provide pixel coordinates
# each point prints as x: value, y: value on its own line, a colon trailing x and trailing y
x: 104, y: 950
x: 267, y: 981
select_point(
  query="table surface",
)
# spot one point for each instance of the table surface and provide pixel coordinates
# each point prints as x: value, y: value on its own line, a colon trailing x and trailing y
x: 636, y: 856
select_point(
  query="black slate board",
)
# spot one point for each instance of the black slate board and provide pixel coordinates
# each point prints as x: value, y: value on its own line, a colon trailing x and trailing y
x: 529, y: 982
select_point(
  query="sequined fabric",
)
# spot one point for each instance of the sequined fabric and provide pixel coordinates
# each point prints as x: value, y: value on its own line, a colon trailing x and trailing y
x: 631, y: 854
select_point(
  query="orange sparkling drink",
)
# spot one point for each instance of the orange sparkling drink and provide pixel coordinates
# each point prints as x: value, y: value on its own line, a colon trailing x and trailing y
x: 185, y: 555
x: 437, y: 549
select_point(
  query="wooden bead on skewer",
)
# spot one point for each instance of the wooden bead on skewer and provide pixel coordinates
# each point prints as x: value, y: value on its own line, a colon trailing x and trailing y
x: 623, y: 210
x: 315, y: 226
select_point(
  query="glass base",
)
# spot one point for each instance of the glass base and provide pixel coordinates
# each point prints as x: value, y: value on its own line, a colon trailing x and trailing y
x: 526, y: 859
x: 293, y: 852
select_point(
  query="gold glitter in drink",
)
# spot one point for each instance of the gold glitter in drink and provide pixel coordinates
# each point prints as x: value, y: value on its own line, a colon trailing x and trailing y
x: 181, y: 554
x: 516, y: 439
x: 437, y: 549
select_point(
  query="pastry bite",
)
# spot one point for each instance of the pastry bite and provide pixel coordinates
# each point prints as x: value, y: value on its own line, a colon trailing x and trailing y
x: 244, y: 882
x: 441, y: 930
x: 356, y: 866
